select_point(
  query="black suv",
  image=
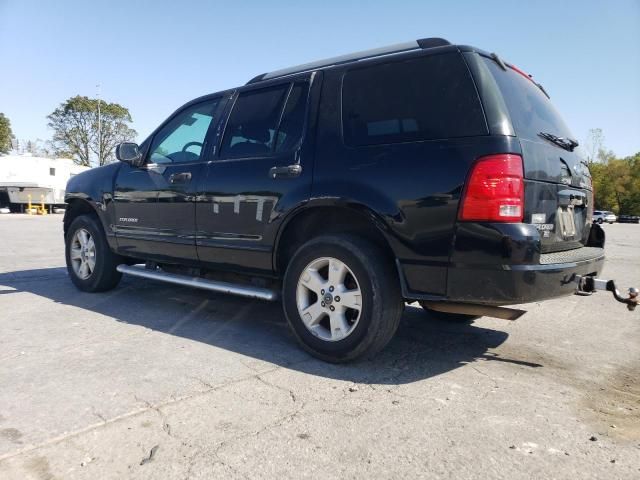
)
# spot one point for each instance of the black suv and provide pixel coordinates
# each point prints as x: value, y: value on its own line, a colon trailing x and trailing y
x: 422, y: 172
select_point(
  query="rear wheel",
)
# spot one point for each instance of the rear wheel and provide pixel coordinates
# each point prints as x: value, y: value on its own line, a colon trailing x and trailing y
x: 341, y: 297
x: 600, y: 221
x: 90, y: 262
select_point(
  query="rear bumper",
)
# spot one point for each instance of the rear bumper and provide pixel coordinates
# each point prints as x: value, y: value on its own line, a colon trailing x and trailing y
x: 512, y: 284
x: 502, y: 264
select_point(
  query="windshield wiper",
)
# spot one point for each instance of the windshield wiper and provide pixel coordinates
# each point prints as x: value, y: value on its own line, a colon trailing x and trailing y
x: 566, y: 143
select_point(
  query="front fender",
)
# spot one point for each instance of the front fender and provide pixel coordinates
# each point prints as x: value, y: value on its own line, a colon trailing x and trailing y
x: 93, y: 188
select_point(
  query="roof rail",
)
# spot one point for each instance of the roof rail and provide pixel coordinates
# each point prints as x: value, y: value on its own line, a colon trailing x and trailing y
x: 351, y: 57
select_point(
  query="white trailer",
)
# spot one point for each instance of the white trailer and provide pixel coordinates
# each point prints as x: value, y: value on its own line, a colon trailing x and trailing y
x: 43, y: 179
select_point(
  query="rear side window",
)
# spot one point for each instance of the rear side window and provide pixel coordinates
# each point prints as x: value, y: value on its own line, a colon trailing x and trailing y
x: 530, y: 110
x: 266, y: 120
x: 425, y: 98
x: 253, y: 122
x: 292, y: 123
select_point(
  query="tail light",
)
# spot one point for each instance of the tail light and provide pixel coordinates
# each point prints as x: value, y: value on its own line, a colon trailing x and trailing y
x: 494, y: 191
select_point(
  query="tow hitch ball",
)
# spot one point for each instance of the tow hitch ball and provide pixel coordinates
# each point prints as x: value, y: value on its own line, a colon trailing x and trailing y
x: 586, y: 285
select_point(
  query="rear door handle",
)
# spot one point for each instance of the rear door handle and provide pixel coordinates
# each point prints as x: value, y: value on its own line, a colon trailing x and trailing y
x: 290, y: 171
x: 184, y: 177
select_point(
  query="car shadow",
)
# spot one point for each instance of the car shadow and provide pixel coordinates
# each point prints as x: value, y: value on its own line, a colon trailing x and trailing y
x: 423, y: 346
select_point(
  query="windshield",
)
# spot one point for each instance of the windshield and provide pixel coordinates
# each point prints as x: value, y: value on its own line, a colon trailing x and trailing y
x: 531, y: 111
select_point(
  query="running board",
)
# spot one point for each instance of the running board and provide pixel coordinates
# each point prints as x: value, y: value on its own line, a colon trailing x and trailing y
x: 475, y: 309
x: 199, y: 282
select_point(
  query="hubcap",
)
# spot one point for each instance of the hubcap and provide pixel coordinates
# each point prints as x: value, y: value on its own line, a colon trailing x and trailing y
x: 83, y: 254
x: 329, y: 299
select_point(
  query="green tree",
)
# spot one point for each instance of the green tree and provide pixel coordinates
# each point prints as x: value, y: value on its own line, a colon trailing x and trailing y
x: 5, y: 134
x: 627, y: 183
x: 603, y: 186
x: 75, y: 129
x: 616, y: 183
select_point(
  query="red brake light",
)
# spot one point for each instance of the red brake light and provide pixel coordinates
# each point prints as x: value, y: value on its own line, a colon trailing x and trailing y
x: 525, y: 75
x: 494, y: 190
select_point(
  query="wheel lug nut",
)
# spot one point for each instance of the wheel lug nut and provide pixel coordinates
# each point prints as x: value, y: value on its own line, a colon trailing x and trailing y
x: 322, y: 291
x: 332, y: 308
x: 331, y: 289
x: 322, y: 303
x: 337, y: 299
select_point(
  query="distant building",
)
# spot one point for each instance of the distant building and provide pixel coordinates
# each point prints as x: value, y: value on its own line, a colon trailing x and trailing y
x: 42, y: 178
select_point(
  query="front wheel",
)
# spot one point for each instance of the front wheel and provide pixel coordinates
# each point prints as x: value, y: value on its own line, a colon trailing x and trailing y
x: 341, y: 297
x: 599, y: 221
x: 90, y: 262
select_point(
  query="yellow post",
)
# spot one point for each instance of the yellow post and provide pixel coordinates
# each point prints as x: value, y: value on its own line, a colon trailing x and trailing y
x: 43, y: 211
x: 29, y: 205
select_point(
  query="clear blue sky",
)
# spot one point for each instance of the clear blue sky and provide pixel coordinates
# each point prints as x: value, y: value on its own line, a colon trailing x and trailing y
x: 152, y: 56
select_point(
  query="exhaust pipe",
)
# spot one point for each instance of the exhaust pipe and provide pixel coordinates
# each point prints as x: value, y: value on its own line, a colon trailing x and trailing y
x: 199, y: 282
x: 476, y: 309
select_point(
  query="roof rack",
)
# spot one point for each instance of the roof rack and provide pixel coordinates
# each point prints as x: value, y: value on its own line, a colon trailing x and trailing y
x: 351, y: 57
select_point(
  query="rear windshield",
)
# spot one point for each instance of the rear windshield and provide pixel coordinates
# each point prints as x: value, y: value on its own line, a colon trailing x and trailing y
x: 424, y: 98
x: 530, y: 110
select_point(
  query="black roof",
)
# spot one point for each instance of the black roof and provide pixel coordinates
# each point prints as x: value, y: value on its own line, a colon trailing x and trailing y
x: 422, y: 43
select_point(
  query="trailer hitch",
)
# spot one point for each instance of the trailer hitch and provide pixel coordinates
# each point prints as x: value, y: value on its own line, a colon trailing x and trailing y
x: 586, y: 285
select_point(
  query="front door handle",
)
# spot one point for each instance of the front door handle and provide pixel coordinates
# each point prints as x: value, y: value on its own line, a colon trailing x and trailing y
x: 290, y: 171
x: 184, y: 177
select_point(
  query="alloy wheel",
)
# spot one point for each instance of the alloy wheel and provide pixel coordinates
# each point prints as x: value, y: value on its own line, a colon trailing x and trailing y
x: 329, y: 299
x: 83, y: 254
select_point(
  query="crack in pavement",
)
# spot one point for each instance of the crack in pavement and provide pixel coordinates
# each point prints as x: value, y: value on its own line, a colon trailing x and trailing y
x: 148, y: 407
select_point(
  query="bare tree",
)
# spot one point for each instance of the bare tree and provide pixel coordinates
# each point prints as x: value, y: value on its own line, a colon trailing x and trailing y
x: 594, y: 145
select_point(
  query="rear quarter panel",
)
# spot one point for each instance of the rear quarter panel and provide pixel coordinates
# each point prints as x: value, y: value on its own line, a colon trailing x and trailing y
x: 414, y: 187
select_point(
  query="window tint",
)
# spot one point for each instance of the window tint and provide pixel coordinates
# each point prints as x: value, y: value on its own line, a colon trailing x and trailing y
x: 292, y: 123
x: 530, y: 110
x: 182, y: 139
x: 253, y: 121
x: 419, y: 99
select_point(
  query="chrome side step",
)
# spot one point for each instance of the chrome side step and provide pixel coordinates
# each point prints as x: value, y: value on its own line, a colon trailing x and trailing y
x: 199, y: 282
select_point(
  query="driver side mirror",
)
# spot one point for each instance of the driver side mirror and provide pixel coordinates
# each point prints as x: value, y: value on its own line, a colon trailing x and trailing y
x: 129, y: 152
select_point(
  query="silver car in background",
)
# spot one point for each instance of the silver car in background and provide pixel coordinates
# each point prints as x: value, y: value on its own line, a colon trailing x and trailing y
x: 601, y: 216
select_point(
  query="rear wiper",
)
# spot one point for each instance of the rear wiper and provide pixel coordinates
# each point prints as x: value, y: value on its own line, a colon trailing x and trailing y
x: 566, y: 143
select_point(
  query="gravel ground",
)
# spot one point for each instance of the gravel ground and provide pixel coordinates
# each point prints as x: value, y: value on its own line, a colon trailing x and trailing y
x: 155, y: 381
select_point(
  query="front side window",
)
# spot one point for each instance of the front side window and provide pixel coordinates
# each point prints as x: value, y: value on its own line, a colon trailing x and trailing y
x: 266, y: 121
x: 425, y: 98
x: 182, y: 138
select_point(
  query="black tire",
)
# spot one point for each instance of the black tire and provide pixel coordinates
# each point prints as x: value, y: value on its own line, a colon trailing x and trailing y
x: 381, y: 299
x: 449, y: 317
x: 600, y: 221
x: 104, y: 276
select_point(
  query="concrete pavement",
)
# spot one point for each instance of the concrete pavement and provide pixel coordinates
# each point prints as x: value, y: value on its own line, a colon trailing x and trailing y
x: 155, y: 381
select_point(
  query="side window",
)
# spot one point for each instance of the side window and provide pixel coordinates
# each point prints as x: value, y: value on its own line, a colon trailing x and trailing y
x: 292, y: 123
x: 425, y: 98
x: 253, y: 121
x: 182, y: 139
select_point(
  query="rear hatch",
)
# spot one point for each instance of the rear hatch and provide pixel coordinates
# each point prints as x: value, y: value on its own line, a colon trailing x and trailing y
x: 558, y: 191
